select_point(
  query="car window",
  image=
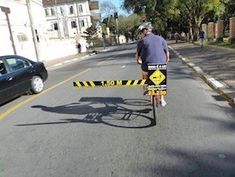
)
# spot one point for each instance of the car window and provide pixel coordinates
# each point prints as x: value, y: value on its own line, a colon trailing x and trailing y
x: 2, y: 68
x: 17, y: 63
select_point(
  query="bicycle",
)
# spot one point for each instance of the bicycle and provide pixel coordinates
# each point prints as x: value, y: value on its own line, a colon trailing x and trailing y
x: 156, y: 85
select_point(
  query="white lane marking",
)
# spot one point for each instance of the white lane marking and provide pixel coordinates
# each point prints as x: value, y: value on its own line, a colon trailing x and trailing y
x: 101, y: 62
x: 216, y: 83
x: 56, y: 65
x: 66, y: 62
x: 6, y: 112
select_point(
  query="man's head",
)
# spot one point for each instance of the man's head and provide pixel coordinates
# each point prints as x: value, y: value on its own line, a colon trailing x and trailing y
x: 145, y: 28
x: 141, y: 34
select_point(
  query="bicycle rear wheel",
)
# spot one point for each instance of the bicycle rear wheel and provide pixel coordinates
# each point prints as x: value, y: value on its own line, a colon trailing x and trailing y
x: 154, y: 105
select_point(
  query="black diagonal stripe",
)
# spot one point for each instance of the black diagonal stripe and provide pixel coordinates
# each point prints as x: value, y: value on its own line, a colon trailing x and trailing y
x: 139, y: 82
x: 82, y: 84
x: 97, y: 83
x: 75, y: 84
x: 88, y: 83
x: 124, y: 82
x: 132, y: 82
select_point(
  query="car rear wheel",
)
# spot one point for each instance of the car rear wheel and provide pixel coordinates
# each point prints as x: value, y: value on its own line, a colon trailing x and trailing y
x: 37, y: 84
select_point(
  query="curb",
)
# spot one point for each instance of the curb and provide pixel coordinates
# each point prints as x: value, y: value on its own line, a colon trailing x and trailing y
x: 72, y: 59
x: 66, y: 62
x: 216, y: 85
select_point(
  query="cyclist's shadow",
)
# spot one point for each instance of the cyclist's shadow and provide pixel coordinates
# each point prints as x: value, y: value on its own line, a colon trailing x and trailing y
x: 112, y: 111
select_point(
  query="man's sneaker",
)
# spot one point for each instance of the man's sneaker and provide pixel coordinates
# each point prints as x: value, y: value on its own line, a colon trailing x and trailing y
x: 163, y: 103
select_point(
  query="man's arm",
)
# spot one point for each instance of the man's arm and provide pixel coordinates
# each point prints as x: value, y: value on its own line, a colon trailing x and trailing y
x: 166, y: 50
x: 138, y: 52
x: 167, y: 56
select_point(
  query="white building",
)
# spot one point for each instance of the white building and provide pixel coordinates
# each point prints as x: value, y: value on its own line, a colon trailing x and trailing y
x: 24, y: 27
x: 18, y: 31
x: 68, y: 18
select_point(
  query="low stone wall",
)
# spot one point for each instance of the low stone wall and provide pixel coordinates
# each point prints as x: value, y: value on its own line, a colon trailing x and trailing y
x: 216, y: 30
x: 232, y: 29
x: 53, y: 49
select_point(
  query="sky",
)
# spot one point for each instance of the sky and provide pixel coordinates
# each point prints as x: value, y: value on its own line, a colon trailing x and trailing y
x: 118, y: 4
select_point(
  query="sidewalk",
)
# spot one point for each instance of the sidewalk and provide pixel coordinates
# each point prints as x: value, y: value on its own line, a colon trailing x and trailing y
x: 60, y: 61
x: 63, y: 60
x: 215, y: 65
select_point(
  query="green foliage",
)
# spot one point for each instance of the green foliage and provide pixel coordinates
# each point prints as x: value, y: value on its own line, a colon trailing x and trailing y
x: 178, y: 15
x: 90, y: 34
x: 156, y: 11
x: 128, y: 25
x: 228, y: 44
x: 197, y: 11
x: 229, y: 11
x: 109, y: 22
x: 112, y: 24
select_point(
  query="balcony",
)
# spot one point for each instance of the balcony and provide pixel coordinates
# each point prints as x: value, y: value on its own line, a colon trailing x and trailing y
x: 94, y: 5
x: 95, y: 16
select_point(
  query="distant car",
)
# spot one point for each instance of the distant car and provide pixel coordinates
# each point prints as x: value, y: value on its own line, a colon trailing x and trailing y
x: 19, y: 75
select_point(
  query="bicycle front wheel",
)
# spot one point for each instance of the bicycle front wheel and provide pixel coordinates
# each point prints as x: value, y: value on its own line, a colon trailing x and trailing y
x: 154, y: 105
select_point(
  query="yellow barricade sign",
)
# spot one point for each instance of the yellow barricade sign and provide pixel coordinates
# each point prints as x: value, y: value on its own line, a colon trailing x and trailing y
x: 109, y: 83
x: 156, y: 83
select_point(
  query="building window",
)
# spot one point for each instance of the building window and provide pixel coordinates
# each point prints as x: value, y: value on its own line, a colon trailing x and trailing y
x: 55, y: 26
x: 73, y: 24
x: 82, y: 23
x: 61, y: 10
x: 80, y: 8
x: 71, y: 10
x: 52, y: 12
x: 46, y: 12
x: 22, y: 37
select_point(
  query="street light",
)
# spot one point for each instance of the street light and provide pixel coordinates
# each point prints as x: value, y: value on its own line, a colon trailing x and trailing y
x: 6, y: 10
x: 117, y: 30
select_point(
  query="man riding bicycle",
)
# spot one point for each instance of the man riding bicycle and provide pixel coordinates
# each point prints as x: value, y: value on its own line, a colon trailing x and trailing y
x: 152, y: 49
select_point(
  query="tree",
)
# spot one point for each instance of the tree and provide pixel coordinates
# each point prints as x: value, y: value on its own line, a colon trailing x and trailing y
x: 155, y: 11
x: 197, y: 11
x: 181, y: 13
x: 228, y: 11
x: 128, y: 25
x: 90, y: 34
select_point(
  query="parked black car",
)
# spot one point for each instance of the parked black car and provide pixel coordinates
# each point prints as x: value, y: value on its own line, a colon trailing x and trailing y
x: 19, y: 75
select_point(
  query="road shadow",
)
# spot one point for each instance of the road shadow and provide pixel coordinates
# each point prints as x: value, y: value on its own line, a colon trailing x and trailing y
x: 217, y: 62
x: 221, y: 122
x: 191, y: 163
x: 179, y: 72
x: 111, y: 111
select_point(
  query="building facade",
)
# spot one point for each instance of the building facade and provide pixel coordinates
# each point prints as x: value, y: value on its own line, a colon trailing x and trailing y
x: 26, y: 27
x: 69, y: 18
x: 22, y: 27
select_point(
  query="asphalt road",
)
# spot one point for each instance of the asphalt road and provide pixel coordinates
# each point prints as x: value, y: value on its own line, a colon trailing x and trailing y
x: 109, y: 132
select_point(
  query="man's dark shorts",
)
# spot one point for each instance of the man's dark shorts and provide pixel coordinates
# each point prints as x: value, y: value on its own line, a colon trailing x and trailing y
x: 144, y: 67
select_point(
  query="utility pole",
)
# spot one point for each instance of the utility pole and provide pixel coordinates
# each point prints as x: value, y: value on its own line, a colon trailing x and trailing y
x: 79, y: 25
x: 58, y: 21
x: 32, y: 29
x: 117, y: 27
x: 6, y: 10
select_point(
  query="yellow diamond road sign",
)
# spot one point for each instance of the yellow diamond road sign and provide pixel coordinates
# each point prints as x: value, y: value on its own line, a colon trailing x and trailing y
x: 157, y: 77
